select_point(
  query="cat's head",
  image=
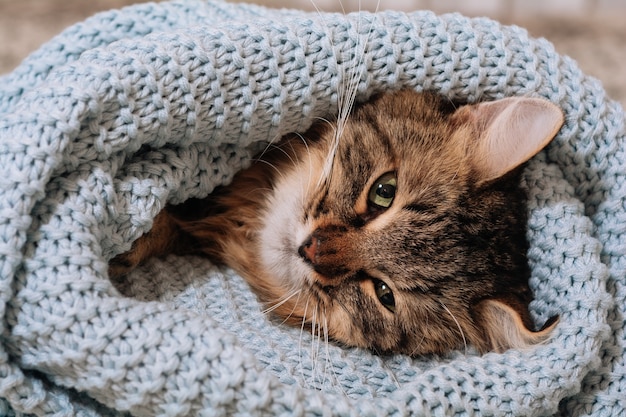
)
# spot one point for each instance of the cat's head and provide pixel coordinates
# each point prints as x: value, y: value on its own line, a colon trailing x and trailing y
x: 408, y: 233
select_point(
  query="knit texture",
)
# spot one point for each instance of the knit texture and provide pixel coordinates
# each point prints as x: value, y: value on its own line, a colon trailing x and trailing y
x: 157, y: 103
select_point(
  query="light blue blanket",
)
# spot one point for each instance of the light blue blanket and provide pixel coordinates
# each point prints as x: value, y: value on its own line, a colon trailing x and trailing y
x: 198, y: 87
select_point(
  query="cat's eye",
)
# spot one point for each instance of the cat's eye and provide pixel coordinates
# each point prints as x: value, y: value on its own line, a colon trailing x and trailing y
x: 385, y: 295
x: 383, y: 191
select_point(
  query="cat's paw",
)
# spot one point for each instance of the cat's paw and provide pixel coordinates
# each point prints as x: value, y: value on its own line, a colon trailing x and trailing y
x: 123, y: 264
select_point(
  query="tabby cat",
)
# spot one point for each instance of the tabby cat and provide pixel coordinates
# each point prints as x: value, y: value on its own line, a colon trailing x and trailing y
x: 404, y: 233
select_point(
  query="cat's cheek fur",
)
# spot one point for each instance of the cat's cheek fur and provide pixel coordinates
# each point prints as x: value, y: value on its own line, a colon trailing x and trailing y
x: 341, y: 328
x: 284, y: 229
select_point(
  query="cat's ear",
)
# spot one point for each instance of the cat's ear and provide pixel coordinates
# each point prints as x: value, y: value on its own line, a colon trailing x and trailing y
x: 504, y: 328
x: 510, y: 131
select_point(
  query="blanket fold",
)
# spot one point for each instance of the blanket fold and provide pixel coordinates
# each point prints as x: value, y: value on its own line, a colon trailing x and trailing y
x: 158, y: 103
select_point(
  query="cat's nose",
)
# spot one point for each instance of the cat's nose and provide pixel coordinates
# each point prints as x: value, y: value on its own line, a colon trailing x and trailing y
x: 308, y: 250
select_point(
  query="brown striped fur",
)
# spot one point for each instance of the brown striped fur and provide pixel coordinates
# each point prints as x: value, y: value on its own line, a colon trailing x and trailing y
x: 451, y: 247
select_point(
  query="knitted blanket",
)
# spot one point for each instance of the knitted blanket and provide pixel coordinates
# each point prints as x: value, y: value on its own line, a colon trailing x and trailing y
x: 157, y: 103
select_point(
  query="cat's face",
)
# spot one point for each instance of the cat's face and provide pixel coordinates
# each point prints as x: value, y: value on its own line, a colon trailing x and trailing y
x: 407, y: 236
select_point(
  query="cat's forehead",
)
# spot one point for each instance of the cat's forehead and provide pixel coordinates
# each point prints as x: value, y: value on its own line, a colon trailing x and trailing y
x: 404, y: 126
x: 425, y: 154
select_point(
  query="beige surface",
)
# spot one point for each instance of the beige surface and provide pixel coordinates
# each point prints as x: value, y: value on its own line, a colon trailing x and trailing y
x: 599, y: 43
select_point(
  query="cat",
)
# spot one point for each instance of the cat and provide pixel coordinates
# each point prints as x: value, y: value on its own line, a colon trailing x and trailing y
x: 406, y: 233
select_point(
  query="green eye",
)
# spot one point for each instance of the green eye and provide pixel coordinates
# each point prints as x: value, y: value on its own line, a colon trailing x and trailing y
x: 383, y: 191
x: 385, y: 295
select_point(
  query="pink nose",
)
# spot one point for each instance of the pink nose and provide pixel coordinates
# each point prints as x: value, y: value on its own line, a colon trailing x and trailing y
x: 308, y: 250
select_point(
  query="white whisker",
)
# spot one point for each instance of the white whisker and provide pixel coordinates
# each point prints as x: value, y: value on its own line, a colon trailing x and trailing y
x: 315, y: 345
x: 346, y: 96
x: 458, y: 325
x: 281, y: 302
x: 419, y: 345
x: 284, y: 152
x: 327, y: 121
x: 271, y: 143
x: 302, y: 326
x: 329, y: 364
x: 274, y: 167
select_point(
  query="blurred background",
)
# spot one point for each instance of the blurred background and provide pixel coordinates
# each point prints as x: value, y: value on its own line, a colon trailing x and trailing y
x: 591, y: 31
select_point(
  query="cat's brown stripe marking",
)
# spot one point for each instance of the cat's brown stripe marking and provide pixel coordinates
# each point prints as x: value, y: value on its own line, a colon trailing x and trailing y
x: 442, y: 266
